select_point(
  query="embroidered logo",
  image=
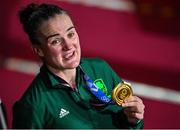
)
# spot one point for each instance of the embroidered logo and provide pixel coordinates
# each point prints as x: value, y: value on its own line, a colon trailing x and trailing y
x: 63, y: 113
x: 100, y: 84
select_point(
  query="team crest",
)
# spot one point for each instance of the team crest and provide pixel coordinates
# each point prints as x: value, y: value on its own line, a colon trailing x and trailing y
x: 100, y: 84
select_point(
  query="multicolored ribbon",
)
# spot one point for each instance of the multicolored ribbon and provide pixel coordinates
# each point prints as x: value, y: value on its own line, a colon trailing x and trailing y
x: 95, y: 90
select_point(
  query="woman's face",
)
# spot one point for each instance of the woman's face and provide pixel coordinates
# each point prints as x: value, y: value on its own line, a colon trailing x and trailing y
x: 60, y: 46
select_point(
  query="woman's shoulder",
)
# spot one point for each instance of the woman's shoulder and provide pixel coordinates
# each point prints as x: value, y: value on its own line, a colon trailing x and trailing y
x: 33, y: 92
x: 95, y: 65
x: 93, y: 61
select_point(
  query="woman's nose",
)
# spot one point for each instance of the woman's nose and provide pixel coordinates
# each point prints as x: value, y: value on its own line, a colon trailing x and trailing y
x: 67, y: 45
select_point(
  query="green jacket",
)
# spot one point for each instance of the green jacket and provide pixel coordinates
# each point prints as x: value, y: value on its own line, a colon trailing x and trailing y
x: 49, y: 102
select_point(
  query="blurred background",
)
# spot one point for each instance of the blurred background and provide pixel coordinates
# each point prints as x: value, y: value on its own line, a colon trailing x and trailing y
x: 140, y: 39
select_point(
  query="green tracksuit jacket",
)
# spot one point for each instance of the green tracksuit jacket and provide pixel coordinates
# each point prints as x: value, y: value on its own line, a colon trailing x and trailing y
x: 49, y: 102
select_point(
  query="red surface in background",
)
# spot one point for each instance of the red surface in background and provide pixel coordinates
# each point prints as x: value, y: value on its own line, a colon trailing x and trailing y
x: 118, y: 37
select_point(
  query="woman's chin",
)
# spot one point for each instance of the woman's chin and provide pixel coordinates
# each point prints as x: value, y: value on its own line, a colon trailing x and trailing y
x: 72, y: 65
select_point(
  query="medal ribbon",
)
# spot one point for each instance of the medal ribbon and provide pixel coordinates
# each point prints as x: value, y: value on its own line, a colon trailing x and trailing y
x: 95, y: 90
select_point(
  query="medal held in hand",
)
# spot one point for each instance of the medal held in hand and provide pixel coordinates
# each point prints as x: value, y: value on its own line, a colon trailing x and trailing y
x: 121, y: 92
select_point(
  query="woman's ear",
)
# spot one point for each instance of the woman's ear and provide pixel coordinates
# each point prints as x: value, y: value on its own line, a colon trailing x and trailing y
x: 38, y: 50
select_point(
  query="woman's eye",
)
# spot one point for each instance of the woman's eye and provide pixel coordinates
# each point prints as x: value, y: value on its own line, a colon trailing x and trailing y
x: 70, y: 35
x: 57, y: 41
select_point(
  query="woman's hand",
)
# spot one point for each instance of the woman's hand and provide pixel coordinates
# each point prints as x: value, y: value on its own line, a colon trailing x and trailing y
x: 134, y: 109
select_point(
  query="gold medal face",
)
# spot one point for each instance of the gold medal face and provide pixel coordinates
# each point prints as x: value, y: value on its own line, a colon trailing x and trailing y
x: 121, y: 92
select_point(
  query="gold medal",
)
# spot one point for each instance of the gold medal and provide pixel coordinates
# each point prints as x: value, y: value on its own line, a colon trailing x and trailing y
x: 121, y: 92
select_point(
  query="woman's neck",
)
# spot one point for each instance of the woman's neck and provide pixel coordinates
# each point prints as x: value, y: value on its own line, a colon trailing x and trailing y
x: 69, y: 75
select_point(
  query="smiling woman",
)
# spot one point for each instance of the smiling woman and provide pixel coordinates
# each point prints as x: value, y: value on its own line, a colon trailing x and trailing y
x: 60, y: 47
x: 69, y: 91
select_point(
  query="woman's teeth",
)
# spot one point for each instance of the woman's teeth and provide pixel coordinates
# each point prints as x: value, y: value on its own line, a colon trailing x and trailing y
x: 68, y: 56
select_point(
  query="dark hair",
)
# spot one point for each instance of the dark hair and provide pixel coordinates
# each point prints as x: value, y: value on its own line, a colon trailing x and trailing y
x: 33, y: 15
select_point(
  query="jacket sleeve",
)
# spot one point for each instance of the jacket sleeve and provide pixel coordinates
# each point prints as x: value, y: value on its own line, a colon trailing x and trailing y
x: 120, y: 121
x: 26, y: 117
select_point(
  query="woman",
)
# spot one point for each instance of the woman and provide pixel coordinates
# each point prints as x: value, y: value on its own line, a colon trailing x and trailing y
x: 67, y: 93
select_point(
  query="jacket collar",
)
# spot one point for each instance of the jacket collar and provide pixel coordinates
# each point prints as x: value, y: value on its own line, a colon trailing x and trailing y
x: 51, y: 79
x: 55, y: 81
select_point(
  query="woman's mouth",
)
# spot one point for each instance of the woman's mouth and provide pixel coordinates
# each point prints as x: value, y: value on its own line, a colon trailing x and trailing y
x: 69, y: 55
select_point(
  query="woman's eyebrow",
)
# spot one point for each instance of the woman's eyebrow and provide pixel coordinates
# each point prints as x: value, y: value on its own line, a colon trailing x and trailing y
x: 57, y: 34
x: 53, y: 35
x: 70, y: 28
